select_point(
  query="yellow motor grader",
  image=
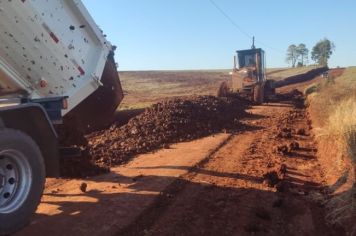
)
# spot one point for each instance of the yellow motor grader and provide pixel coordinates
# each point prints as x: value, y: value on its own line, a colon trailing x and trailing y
x: 249, y: 76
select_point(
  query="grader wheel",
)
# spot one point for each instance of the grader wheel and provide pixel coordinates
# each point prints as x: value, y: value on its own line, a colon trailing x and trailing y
x: 223, y: 90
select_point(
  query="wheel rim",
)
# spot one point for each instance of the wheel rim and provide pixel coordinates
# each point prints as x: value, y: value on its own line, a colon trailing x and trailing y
x: 15, y: 180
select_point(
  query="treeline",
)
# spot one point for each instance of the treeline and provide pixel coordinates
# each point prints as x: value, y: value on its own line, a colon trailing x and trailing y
x: 298, y: 55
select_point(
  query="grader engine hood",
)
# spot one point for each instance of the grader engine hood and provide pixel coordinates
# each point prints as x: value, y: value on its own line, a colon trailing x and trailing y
x: 244, y: 78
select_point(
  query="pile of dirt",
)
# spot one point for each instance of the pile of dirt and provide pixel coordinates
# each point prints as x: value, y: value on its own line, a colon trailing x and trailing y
x: 166, y: 122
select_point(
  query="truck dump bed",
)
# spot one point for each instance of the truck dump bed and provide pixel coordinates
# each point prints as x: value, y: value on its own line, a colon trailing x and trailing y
x: 50, y: 48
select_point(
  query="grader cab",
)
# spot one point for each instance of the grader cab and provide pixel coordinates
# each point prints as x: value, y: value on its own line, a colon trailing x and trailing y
x: 248, y: 78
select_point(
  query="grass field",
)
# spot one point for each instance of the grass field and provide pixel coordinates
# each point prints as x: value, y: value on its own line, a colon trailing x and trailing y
x: 143, y: 88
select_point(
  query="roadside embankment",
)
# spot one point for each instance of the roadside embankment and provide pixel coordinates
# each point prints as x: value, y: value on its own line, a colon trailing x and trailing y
x: 311, y: 74
x: 332, y: 110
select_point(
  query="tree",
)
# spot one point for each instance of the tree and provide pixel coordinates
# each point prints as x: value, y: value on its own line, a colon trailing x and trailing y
x: 322, y: 51
x: 302, y: 52
x: 292, y: 54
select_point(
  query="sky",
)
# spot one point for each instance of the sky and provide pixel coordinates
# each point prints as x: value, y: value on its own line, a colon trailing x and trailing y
x: 194, y: 34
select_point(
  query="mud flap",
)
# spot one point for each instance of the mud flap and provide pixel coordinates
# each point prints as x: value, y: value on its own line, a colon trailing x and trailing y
x: 97, y: 110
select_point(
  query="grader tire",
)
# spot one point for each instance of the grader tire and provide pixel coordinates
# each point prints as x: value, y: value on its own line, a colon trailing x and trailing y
x: 223, y: 90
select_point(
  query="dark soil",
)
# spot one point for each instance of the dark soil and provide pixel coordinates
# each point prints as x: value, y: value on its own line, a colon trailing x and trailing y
x: 164, y: 123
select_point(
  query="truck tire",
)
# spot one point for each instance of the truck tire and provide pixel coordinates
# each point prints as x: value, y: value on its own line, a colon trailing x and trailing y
x: 258, y: 96
x: 22, y: 178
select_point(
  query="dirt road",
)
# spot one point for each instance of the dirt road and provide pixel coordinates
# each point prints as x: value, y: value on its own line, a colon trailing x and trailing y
x: 229, y: 193
x: 263, y: 179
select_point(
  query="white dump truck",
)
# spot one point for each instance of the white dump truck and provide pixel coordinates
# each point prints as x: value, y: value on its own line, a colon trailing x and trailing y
x: 55, y: 63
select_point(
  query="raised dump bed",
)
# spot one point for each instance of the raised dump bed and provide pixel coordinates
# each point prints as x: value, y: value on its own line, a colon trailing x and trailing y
x: 51, y: 48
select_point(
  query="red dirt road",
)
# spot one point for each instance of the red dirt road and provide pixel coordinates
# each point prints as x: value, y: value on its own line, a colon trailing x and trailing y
x: 263, y: 180
x: 228, y: 194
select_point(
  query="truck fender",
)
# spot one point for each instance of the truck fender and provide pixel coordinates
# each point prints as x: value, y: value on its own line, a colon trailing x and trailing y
x: 33, y: 120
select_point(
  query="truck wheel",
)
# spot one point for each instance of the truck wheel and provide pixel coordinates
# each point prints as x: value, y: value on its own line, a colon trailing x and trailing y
x: 258, y: 94
x: 22, y: 177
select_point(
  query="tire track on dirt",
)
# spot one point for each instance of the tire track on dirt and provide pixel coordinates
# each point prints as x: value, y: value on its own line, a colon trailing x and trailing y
x: 149, y: 216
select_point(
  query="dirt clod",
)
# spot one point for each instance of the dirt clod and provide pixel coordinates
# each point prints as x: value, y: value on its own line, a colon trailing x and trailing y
x: 83, y: 187
x: 271, y: 178
x: 282, y: 149
x: 301, y: 132
x: 293, y: 146
x: 285, y: 133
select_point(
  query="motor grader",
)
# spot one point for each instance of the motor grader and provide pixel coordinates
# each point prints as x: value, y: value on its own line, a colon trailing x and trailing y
x: 248, y: 78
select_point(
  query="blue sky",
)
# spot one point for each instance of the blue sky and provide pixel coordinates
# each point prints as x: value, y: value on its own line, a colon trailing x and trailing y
x: 193, y: 34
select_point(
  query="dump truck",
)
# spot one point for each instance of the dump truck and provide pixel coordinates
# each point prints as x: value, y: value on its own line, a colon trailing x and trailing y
x: 55, y: 65
x: 248, y: 78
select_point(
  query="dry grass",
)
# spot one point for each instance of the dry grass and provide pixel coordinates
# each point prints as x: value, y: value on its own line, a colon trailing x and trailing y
x: 342, y: 123
x: 282, y: 73
x: 143, y: 88
x: 333, y: 110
